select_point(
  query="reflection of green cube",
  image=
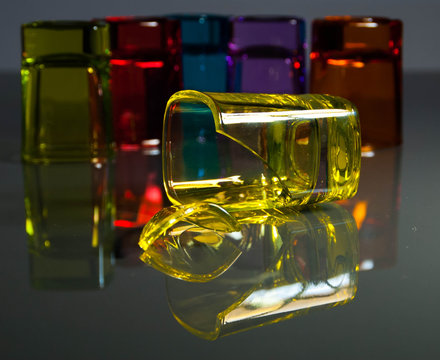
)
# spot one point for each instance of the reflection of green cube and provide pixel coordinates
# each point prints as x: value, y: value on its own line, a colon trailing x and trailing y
x: 65, y: 91
x: 69, y: 225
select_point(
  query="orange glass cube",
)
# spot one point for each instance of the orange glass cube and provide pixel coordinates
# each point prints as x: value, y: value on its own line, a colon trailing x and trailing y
x: 359, y: 58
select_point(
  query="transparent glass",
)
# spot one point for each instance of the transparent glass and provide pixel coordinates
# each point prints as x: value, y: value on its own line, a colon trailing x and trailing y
x: 251, y: 268
x: 249, y: 151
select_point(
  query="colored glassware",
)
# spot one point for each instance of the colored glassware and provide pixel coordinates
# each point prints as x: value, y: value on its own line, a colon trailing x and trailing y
x: 360, y: 59
x: 267, y: 55
x: 65, y: 91
x: 261, y: 151
x: 275, y: 265
x: 145, y: 71
x: 69, y: 225
x: 204, y: 43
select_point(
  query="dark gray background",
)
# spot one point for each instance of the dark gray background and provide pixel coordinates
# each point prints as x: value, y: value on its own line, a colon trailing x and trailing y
x: 421, y: 51
x: 395, y: 314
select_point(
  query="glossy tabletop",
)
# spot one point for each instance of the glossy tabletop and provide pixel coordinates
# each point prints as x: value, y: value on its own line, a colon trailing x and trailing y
x: 126, y: 314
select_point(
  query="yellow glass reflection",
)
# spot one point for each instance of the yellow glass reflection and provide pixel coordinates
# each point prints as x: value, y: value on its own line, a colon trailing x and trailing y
x: 276, y: 265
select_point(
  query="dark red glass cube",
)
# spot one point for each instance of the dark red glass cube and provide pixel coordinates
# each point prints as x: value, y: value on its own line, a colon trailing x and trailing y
x: 145, y: 72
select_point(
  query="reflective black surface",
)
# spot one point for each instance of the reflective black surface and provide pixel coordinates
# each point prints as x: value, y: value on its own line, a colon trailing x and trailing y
x: 394, y: 315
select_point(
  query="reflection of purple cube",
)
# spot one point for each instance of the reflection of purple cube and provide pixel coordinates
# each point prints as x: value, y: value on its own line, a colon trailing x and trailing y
x: 266, y: 55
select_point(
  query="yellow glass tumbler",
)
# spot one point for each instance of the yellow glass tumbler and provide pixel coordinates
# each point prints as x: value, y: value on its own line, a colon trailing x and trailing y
x: 260, y: 151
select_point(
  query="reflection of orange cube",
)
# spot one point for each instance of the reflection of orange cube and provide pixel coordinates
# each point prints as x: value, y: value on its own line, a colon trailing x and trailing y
x: 375, y: 208
x: 360, y: 60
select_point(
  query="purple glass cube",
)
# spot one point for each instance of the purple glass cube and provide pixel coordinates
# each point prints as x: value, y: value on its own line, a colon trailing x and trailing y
x: 266, y: 55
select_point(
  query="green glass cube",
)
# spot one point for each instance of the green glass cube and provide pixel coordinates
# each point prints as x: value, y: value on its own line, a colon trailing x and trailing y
x: 65, y: 91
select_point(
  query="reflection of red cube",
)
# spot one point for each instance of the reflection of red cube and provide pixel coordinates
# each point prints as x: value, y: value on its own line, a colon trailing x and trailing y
x: 139, y: 189
x: 360, y: 60
x: 145, y: 72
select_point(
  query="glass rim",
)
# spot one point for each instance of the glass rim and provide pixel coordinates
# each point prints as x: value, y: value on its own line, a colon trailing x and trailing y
x: 136, y: 19
x: 347, y: 19
x: 63, y: 24
x: 265, y: 18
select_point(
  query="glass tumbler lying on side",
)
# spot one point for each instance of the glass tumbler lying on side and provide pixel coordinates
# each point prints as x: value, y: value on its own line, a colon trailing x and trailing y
x: 260, y: 150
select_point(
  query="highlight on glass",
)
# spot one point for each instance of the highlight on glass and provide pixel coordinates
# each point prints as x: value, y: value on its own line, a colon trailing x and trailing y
x: 65, y: 91
x: 248, y: 151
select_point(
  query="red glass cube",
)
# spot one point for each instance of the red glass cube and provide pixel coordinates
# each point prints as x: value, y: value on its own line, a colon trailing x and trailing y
x: 145, y: 72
